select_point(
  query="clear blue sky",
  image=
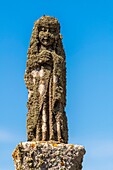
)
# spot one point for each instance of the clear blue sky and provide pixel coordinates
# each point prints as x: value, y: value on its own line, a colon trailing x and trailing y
x: 87, y: 29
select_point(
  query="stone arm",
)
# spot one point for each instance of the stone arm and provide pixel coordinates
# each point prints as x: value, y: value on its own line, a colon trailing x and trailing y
x: 59, y: 72
x: 64, y: 82
x: 34, y: 63
x: 44, y: 57
x: 38, y: 59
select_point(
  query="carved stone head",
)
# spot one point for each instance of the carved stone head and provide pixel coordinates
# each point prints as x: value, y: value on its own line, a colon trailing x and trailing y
x: 48, y: 30
x: 46, y: 33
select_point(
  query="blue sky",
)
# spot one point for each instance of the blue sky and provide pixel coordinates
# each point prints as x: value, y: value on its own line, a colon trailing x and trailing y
x: 87, y: 29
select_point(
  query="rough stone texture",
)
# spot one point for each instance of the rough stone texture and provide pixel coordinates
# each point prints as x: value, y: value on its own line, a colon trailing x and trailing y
x: 45, y: 79
x: 48, y: 156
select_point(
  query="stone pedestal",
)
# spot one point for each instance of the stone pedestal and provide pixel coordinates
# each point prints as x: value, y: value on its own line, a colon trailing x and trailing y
x: 48, y: 156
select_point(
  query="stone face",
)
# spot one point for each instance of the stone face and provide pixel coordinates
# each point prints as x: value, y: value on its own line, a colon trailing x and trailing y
x: 48, y: 156
x: 45, y: 79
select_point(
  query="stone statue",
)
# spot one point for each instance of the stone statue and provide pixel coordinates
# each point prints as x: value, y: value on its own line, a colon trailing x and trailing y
x: 45, y: 79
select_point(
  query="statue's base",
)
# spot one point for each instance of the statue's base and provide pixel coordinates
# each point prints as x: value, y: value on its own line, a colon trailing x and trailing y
x: 48, y: 156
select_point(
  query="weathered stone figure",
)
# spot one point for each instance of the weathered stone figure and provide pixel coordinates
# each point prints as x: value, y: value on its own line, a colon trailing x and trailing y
x: 45, y: 79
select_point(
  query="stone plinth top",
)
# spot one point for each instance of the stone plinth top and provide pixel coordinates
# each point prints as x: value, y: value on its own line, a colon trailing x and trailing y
x: 48, y: 156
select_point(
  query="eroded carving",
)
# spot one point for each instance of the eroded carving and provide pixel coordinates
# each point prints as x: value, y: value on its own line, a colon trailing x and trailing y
x: 45, y: 79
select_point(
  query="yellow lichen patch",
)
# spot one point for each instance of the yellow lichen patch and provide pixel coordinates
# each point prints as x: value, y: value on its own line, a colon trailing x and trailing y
x: 42, y: 141
x: 55, y: 144
x: 14, y: 154
x: 62, y: 163
x: 71, y: 145
x: 32, y: 145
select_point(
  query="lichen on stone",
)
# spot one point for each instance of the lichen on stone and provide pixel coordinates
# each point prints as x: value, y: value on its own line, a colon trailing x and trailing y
x: 46, y: 156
